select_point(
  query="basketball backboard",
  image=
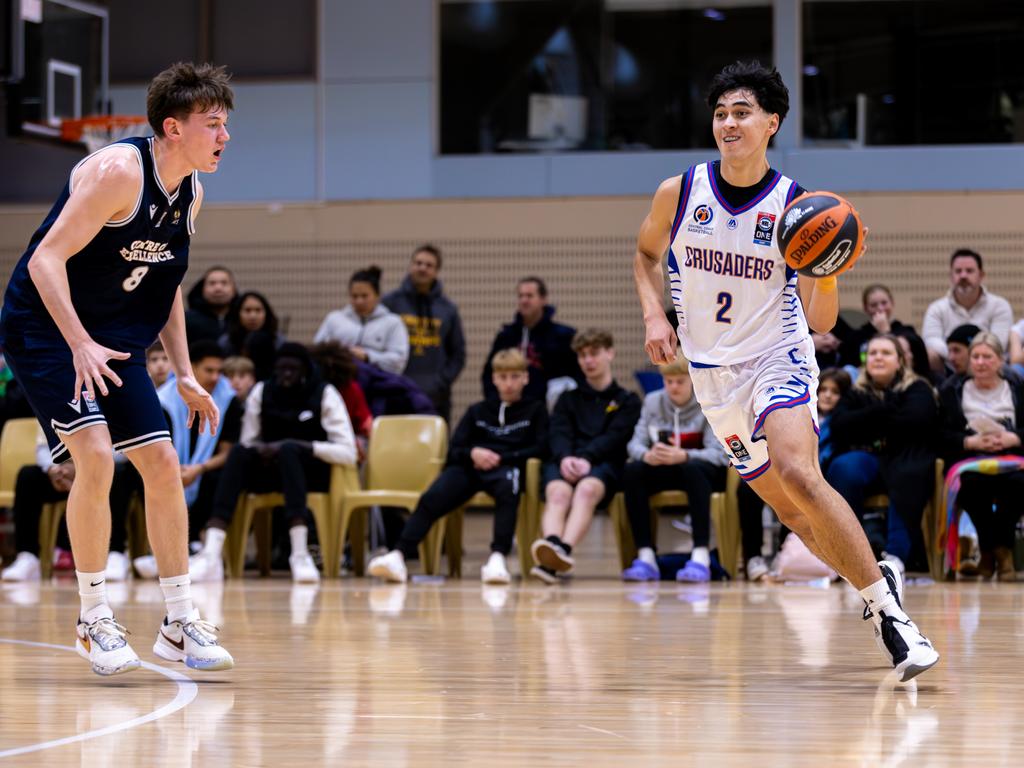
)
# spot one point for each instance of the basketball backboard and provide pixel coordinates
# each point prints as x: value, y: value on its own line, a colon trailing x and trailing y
x: 58, y: 64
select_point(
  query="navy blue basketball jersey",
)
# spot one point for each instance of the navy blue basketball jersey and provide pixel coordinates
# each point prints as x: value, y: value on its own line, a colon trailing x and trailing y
x: 124, y: 281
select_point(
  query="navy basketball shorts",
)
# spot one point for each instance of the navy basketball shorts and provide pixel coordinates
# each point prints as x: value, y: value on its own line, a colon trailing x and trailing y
x: 43, y: 367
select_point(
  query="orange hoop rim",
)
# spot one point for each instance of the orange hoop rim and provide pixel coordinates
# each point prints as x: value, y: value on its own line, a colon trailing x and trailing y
x: 72, y: 130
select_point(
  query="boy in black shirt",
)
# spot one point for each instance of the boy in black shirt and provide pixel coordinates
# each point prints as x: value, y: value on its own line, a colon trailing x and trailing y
x: 590, y: 429
x: 488, y: 452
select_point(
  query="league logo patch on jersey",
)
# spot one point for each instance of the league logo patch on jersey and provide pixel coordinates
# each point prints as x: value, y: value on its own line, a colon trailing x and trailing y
x: 731, y: 224
x: 739, y: 450
x: 702, y: 218
x: 764, y: 228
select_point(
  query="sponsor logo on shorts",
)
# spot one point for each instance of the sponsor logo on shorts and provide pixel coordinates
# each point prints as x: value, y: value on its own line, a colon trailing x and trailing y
x: 764, y: 228
x: 737, y: 448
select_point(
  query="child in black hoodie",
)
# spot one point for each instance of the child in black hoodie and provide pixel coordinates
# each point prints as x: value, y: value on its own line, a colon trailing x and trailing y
x: 590, y: 429
x: 488, y: 452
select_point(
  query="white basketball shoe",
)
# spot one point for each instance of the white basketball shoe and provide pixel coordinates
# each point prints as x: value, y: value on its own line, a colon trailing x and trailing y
x: 193, y: 642
x: 104, y: 644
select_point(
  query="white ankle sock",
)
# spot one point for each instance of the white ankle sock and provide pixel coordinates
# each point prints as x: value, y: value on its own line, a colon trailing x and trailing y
x: 879, y: 598
x: 213, y: 543
x: 92, y: 589
x: 300, y: 536
x: 647, y: 555
x: 177, y: 596
x: 702, y: 556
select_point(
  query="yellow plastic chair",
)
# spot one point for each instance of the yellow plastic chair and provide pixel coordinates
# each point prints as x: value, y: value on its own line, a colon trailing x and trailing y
x: 725, y: 518
x: 49, y: 527
x: 17, y: 449
x: 527, y: 521
x: 406, y: 454
x: 257, y: 508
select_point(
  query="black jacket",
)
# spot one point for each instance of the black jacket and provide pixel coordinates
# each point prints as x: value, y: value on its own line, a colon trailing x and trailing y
x: 593, y: 425
x: 516, y: 432
x: 954, y: 424
x: 548, y: 352
x: 901, y: 428
x: 201, y: 322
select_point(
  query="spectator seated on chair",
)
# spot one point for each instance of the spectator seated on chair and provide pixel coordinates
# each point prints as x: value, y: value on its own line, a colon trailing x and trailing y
x: 158, y: 364
x: 833, y: 384
x: 673, y: 448
x: 252, y: 332
x: 884, y: 430
x: 202, y: 456
x: 294, y: 428
x: 338, y: 367
x: 209, y: 302
x: 45, y: 483
x: 488, y: 452
x: 241, y: 375
x: 967, y: 301
x: 545, y: 344
x: 983, y: 417
x: 590, y: 428
x: 373, y: 333
x: 879, y: 306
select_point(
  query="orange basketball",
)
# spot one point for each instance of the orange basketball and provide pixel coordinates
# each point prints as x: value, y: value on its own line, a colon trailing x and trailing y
x: 821, y: 234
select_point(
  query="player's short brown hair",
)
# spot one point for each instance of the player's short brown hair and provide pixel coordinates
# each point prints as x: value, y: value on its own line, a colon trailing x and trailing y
x: 509, y: 361
x: 184, y: 88
x: 237, y: 365
x: 592, y: 337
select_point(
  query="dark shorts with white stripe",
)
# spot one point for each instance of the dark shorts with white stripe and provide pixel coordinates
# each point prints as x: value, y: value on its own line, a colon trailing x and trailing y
x: 44, y: 368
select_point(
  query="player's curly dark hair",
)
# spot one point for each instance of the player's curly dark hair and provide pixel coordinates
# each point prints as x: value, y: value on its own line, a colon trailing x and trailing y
x: 184, y: 88
x: 764, y: 82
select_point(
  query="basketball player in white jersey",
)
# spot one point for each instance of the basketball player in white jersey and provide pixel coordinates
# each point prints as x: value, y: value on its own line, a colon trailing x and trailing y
x: 743, y: 325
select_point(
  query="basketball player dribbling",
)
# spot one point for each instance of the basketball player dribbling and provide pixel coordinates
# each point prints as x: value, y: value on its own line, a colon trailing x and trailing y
x: 98, y: 284
x: 743, y: 326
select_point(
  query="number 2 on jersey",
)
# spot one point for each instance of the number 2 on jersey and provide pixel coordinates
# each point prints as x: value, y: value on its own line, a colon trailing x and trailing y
x: 725, y: 304
x: 132, y: 282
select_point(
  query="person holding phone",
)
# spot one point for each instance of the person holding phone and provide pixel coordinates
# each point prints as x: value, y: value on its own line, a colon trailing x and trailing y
x: 673, y: 448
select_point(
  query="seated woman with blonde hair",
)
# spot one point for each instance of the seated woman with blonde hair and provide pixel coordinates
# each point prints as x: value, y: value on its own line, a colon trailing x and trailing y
x: 884, y: 433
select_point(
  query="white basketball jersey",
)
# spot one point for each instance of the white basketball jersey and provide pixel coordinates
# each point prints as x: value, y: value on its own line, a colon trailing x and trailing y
x: 734, y: 295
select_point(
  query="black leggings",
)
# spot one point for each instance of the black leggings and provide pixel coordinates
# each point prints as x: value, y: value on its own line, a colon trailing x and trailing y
x: 454, y: 487
x: 751, y: 521
x: 698, y: 478
x: 996, y: 528
x: 293, y: 471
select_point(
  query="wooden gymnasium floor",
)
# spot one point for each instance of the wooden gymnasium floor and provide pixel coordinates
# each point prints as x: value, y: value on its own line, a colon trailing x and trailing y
x: 592, y: 673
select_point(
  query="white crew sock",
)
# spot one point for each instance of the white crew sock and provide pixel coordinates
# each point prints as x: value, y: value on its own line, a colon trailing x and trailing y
x: 177, y: 596
x: 300, y: 536
x: 92, y: 589
x: 646, y: 554
x: 879, y: 598
x: 213, y: 543
x: 702, y: 556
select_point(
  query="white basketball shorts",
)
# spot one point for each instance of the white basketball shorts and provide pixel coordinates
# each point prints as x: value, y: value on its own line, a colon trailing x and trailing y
x: 736, y: 399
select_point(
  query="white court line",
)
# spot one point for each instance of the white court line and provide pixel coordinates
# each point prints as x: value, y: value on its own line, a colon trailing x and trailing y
x: 187, y: 691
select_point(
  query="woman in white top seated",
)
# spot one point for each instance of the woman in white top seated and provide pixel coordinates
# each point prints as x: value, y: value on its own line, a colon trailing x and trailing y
x: 984, y: 417
x: 371, y: 331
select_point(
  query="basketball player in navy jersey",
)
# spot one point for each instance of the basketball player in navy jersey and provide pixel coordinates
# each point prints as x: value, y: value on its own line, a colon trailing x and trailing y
x: 743, y: 325
x: 99, y: 284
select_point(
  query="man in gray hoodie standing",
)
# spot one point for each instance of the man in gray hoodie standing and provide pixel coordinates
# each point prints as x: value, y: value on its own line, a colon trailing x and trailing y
x: 673, y: 448
x: 437, y: 348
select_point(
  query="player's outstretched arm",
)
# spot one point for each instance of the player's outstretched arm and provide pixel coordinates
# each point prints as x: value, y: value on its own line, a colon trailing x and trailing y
x: 175, y: 344
x: 652, y: 242
x: 105, y: 188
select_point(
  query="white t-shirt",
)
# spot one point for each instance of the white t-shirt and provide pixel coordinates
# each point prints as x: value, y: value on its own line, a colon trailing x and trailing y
x: 734, y: 295
x: 982, y: 407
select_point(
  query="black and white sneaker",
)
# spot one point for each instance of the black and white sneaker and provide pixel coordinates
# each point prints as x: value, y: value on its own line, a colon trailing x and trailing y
x: 909, y: 651
x: 894, y: 579
x: 552, y: 556
x: 544, y: 574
